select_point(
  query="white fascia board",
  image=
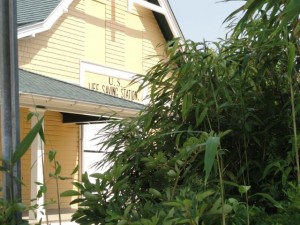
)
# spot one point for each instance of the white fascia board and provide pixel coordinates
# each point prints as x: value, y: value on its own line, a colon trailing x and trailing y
x: 146, y: 5
x: 33, y: 29
x: 171, y: 19
x: 164, y: 9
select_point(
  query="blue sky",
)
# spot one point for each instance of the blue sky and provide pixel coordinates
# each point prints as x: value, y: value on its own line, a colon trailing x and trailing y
x: 202, y: 19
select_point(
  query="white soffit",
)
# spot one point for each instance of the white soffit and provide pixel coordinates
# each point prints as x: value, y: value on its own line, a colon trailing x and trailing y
x: 33, y: 29
x: 171, y: 19
x: 163, y: 8
x: 72, y: 106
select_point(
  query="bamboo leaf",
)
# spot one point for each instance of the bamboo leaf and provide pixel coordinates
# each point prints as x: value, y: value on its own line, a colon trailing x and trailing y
x: 203, y: 195
x: 127, y: 210
x: 77, y: 200
x: 148, y: 121
x: 78, y: 185
x: 89, y: 196
x: 30, y: 115
x: 211, y: 150
x: 290, y: 12
x: 42, y: 135
x: 270, y: 198
x: 122, y: 222
x: 97, y: 175
x: 51, y: 155
x: 292, y: 55
x: 58, y: 169
x: 27, y: 141
x: 64, y: 178
x: 186, y: 105
x: 201, y: 117
x: 244, y: 189
x: 69, y: 193
x: 172, y: 173
x: 154, y: 192
x: 75, y: 170
x: 172, y: 204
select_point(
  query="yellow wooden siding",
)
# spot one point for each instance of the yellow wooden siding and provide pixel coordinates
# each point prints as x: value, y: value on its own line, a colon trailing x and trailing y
x: 131, y: 38
x: 134, y: 44
x: 153, y: 41
x: 100, y: 32
x: 64, y: 139
x: 56, y: 53
x: 115, y: 40
x: 95, y: 32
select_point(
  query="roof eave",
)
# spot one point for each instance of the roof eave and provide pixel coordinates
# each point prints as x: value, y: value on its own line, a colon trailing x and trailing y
x: 171, y: 19
x: 163, y: 14
x: 73, y: 106
x: 33, y: 29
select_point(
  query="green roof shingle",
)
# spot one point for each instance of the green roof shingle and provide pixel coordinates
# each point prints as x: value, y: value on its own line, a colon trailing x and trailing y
x: 32, y: 83
x: 34, y: 11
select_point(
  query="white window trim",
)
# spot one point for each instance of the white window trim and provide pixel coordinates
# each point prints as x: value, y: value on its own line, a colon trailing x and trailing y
x: 107, y: 71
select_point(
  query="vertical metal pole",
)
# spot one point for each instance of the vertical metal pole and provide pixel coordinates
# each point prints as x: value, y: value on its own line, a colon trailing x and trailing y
x: 9, y: 98
x: 15, y: 93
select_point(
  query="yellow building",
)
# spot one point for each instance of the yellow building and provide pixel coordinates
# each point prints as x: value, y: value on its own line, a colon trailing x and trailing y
x: 76, y: 59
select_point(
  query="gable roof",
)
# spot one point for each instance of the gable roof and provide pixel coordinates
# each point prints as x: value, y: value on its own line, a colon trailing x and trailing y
x: 35, y: 16
x: 47, y: 92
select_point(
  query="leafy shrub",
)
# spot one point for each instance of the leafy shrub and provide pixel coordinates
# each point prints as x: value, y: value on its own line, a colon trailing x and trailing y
x: 221, y: 123
x: 10, y: 208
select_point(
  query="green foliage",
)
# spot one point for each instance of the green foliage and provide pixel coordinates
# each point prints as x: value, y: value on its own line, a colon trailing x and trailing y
x: 56, y: 175
x: 9, y: 209
x: 218, y: 141
x: 211, y: 149
x: 27, y: 141
x: 92, y: 199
